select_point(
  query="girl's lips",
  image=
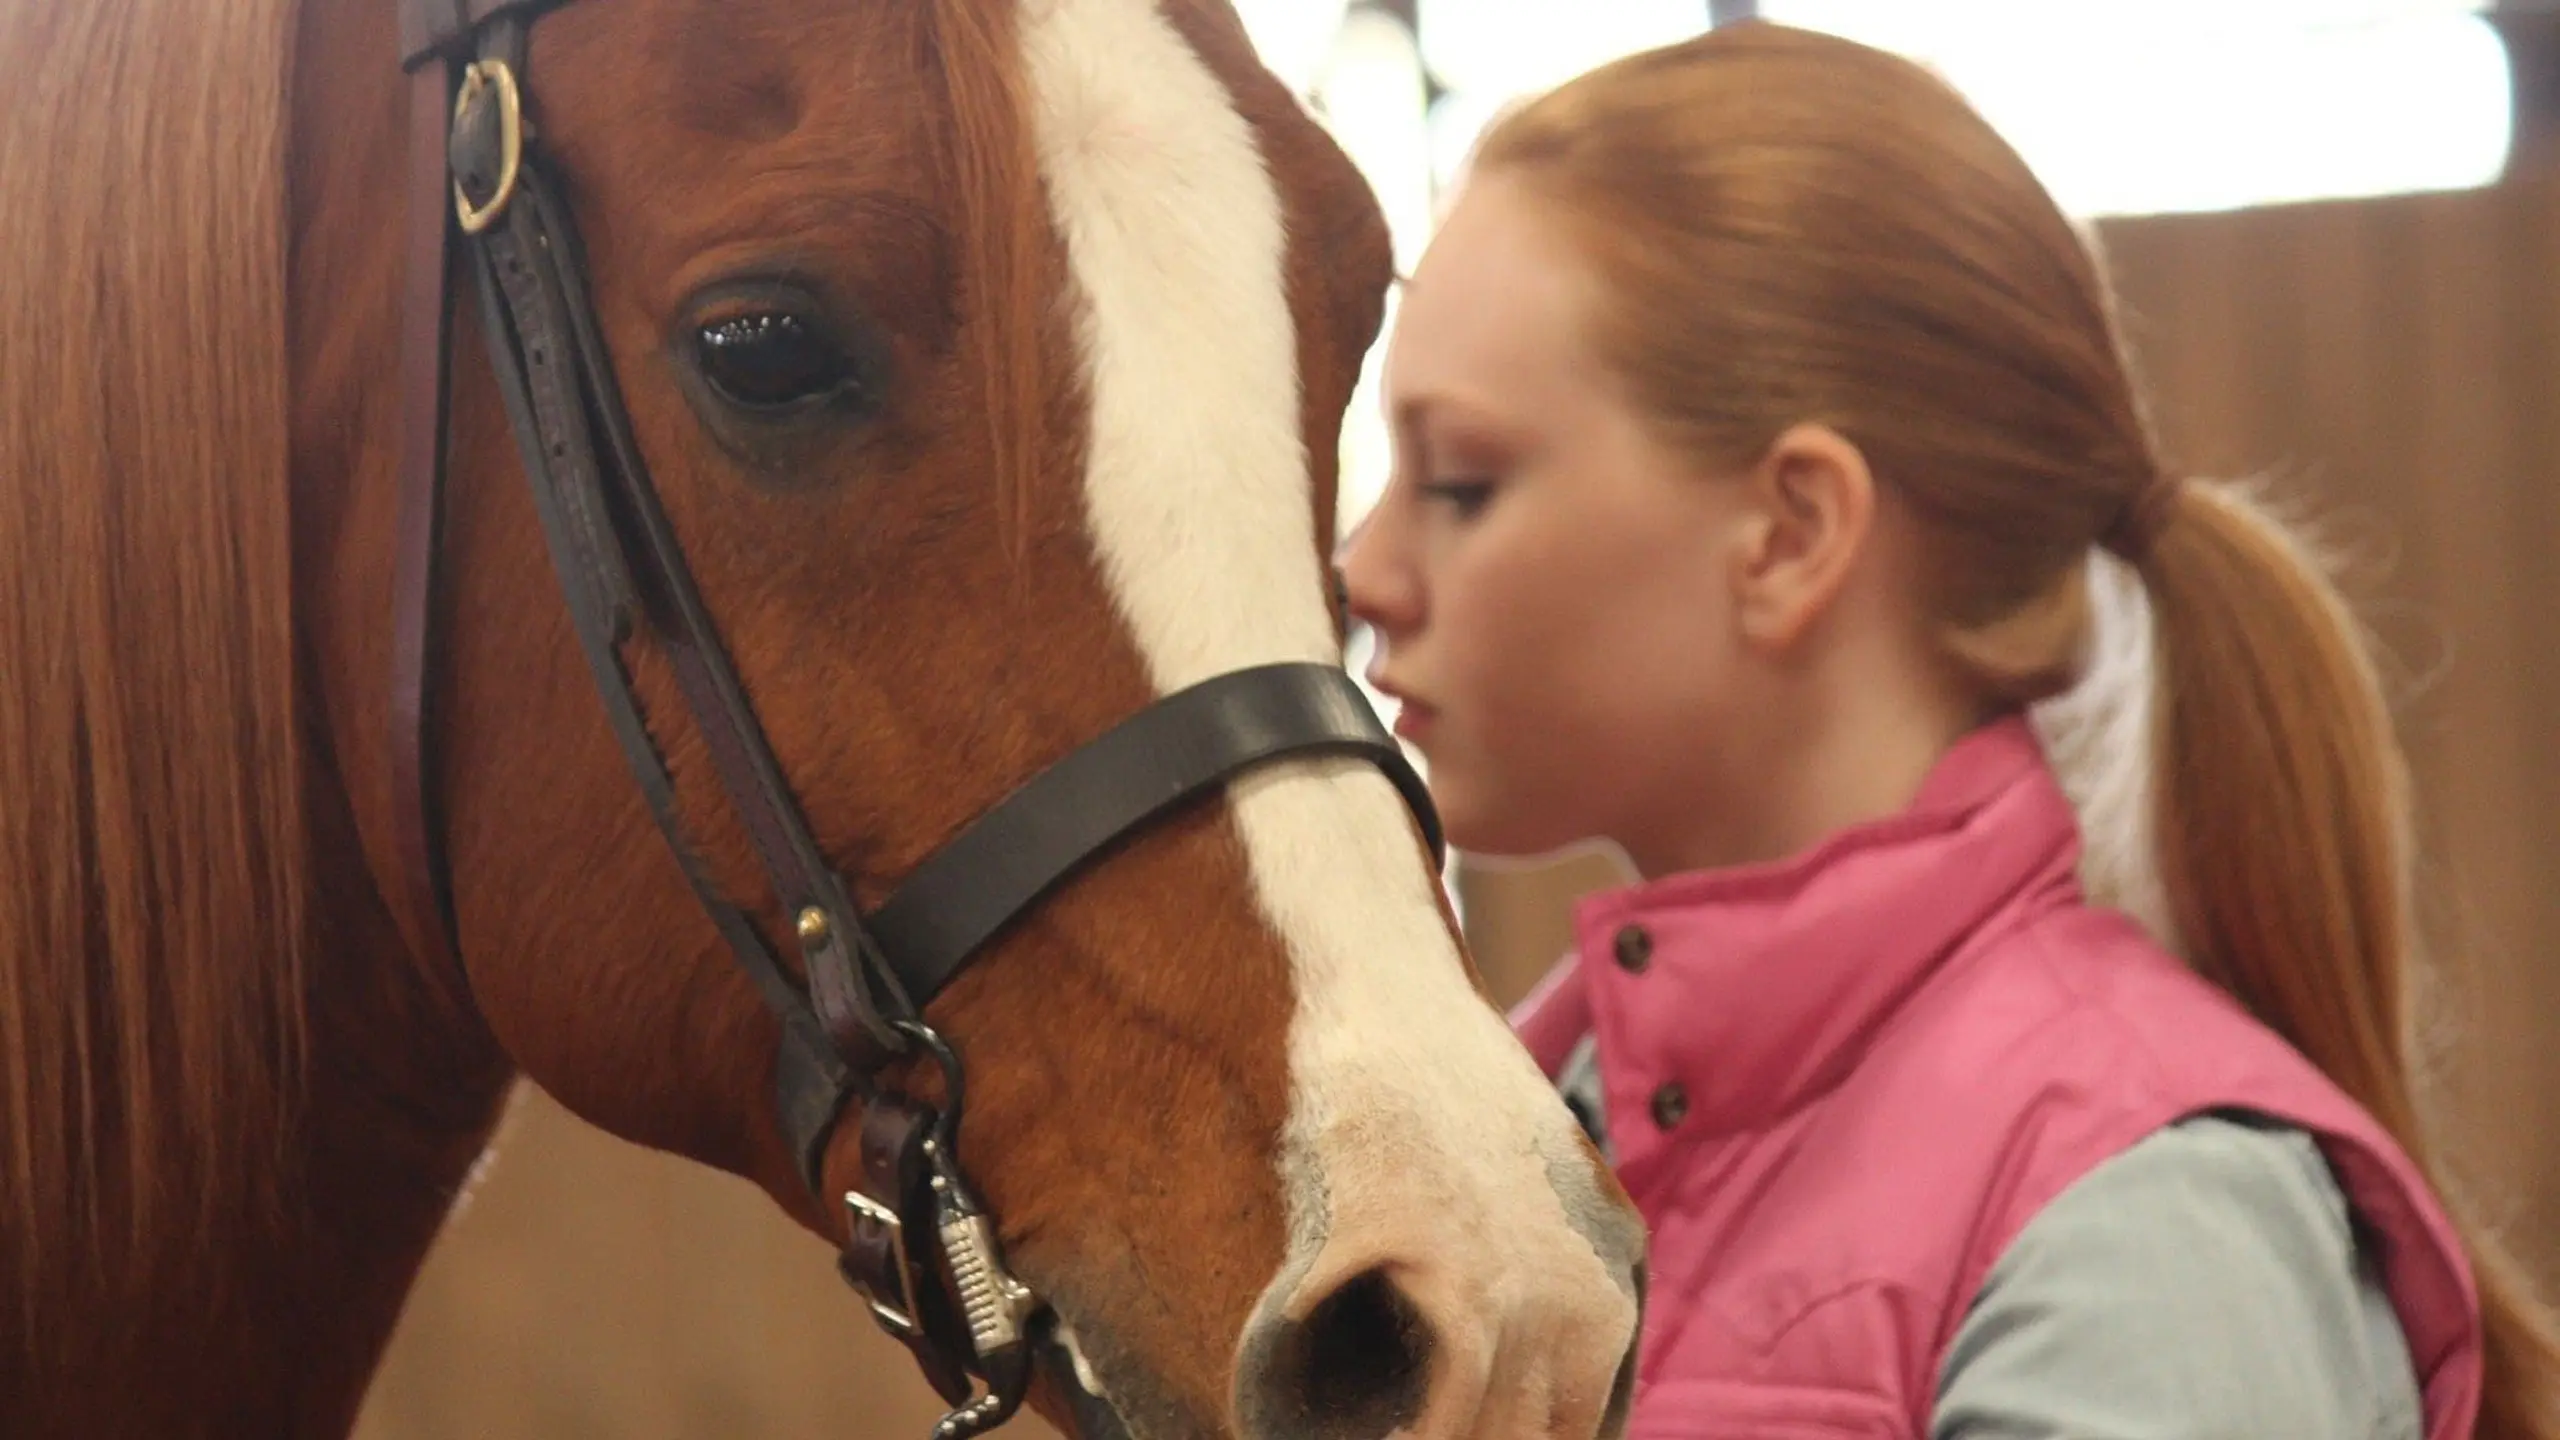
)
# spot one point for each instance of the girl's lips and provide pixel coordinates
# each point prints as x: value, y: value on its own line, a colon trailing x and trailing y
x: 1413, y: 720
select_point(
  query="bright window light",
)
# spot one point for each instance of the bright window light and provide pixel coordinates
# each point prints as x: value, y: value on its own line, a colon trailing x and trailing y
x: 1370, y: 94
x: 1293, y: 36
x: 1510, y: 47
x: 2122, y: 108
x: 2186, y: 105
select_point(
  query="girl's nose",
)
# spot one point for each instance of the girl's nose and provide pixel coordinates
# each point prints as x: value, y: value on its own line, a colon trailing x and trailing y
x: 1377, y: 587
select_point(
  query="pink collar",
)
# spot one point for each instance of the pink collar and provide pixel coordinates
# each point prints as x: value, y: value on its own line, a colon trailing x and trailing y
x: 1760, y: 985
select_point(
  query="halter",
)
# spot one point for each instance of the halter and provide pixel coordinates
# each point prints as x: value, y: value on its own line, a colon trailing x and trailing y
x: 923, y: 1249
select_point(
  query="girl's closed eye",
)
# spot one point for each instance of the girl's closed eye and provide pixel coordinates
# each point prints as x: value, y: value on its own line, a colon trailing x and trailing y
x: 1465, y: 497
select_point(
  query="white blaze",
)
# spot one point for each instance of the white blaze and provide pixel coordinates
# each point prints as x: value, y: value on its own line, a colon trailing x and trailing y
x: 1414, y: 1113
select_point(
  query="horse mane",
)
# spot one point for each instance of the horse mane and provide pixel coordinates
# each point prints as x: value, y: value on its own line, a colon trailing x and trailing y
x: 152, y: 838
x: 153, y: 842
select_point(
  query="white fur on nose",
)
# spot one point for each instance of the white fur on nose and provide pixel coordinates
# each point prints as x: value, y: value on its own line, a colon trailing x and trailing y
x: 1420, y: 1134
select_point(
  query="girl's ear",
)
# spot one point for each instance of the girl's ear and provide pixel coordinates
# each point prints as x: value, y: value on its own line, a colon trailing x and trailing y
x: 1814, y: 504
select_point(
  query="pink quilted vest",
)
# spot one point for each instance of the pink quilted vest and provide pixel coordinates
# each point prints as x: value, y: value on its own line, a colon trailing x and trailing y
x: 1839, y: 1085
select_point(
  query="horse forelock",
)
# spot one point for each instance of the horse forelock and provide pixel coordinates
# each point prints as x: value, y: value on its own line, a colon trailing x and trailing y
x: 1005, y: 283
x: 151, y: 827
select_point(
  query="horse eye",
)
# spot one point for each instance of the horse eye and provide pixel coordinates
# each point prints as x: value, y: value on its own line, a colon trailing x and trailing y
x: 771, y: 360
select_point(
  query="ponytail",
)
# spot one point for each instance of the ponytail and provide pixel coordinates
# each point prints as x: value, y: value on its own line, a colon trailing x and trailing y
x: 2282, y: 822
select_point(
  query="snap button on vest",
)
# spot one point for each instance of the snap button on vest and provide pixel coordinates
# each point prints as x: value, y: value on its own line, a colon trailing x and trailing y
x: 1670, y: 1105
x: 1634, y: 947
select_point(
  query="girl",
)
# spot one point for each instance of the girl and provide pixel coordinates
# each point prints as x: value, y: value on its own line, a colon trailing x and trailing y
x: 1759, y: 420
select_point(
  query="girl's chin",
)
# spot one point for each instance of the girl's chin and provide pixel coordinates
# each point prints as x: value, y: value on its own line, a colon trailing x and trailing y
x: 1500, y: 841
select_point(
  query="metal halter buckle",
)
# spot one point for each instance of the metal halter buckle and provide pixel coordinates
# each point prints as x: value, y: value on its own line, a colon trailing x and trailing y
x: 995, y: 1308
x: 899, y: 1319
x: 995, y: 1305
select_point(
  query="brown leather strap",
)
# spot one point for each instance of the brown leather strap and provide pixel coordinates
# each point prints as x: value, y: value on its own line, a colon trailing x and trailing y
x: 433, y: 30
x: 574, y: 440
x: 425, y: 331
x: 1191, y: 742
x: 618, y: 560
x: 449, y: 29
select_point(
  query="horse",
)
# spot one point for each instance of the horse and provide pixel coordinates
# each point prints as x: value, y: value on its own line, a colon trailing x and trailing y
x: 620, y: 547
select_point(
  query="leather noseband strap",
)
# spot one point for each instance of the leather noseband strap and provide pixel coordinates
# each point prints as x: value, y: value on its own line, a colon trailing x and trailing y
x: 1190, y: 741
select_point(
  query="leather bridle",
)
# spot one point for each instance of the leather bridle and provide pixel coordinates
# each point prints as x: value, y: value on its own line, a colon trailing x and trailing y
x: 923, y: 1250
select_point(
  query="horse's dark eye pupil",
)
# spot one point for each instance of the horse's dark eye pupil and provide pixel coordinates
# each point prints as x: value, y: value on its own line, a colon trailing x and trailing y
x: 771, y: 359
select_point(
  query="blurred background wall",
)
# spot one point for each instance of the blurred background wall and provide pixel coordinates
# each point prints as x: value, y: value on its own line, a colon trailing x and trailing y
x: 2394, y: 361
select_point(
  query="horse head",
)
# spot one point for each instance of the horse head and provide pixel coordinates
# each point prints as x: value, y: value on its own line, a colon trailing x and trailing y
x: 984, y: 362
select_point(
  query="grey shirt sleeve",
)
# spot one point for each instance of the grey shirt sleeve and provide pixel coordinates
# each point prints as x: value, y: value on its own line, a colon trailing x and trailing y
x: 1579, y: 1082
x: 2204, y: 1284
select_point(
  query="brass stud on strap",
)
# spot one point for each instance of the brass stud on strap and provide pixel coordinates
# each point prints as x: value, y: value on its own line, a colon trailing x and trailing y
x: 813, y: 926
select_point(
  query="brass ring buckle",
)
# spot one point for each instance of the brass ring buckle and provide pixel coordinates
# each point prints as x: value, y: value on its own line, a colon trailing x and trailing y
x: 481, y: 76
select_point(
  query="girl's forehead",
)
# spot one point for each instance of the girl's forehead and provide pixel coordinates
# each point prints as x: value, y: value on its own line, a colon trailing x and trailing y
x: 1493, y: 305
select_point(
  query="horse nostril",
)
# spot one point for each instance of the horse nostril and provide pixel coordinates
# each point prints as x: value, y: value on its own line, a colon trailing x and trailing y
x: 1358, y: 1365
